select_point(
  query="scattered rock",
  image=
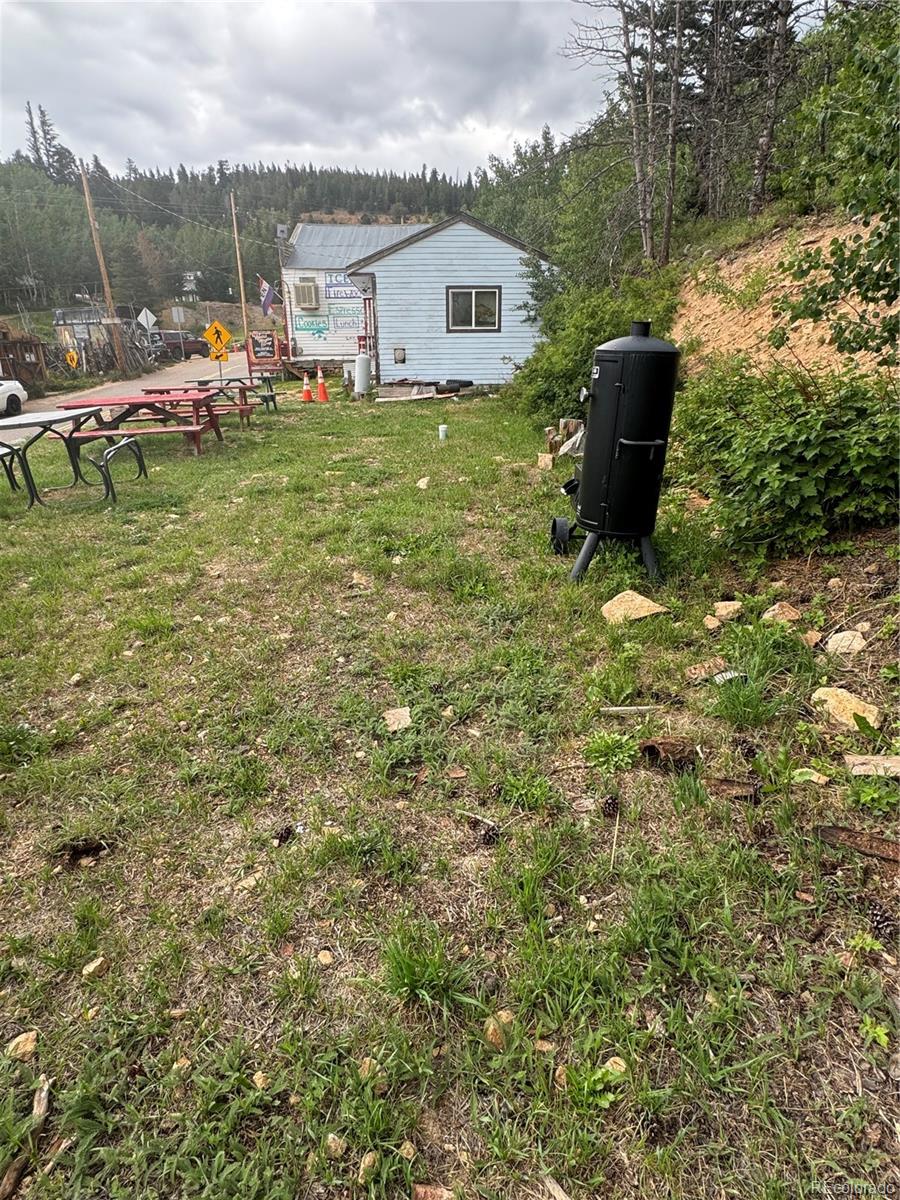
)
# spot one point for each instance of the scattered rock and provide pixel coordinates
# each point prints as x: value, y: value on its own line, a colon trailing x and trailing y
x: 457, y: 773
x: 812, y: 637
x: 448, y: 712
x: 177, y: 1014
x: 873, y: 568
x: 76, y: 680
x: 863, y: 627
x: 407, y: 1150
x: 808, y: 775
x: 422, y: 483
x: 182, y: 1065
x: 249, y: 882
x: 616, y: 1064
x: 494, y: 1033
x: 335, y: 1146
x: 711, y: 623
x: 367, y: 1167
x: 782, y: 611
x: 397, y: 718
x: 835, y: 585
x: 544, y: 1047
x: 848, y: 642
x: 841, y: 707
x: 325, y: 958
x: 727, y: 610
x: 370, y: 1069
x: 704, y: 670
x: 96, y: 968
x: 630, y: 606
x: 360, y: 580
x: 260, y: 1080
x: 873, y: 764
x: 431, y: 1191
x: 392, y: 616
x: 560, y: 1078
x: 22, y: 1048
x: 670, y: 753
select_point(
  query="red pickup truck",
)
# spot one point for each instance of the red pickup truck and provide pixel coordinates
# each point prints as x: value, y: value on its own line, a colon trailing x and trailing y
x: 183, y: 345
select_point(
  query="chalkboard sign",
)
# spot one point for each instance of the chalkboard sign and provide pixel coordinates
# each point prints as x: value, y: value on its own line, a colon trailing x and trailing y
x: 264, y: 346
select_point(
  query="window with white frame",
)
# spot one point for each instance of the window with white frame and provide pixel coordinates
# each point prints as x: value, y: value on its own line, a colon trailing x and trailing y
x: 473, y: 309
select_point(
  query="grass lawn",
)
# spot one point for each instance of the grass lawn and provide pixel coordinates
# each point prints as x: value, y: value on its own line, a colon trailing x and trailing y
x: 496, y: 951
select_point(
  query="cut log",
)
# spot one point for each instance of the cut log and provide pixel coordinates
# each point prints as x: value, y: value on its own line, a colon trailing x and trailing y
x: 871, y: 844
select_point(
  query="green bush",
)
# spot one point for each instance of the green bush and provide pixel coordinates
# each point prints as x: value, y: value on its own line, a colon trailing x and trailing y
x: 791, y: 457
x: 572, y: 324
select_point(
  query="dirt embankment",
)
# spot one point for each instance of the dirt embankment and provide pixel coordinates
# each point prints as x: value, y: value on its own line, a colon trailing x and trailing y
x: 726, y: 303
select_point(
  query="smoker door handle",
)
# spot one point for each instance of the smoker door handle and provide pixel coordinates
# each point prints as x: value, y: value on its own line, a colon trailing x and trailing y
x: 628, y: 442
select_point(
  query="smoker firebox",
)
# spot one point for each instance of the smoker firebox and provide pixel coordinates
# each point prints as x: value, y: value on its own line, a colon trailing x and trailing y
x: 615, y: 490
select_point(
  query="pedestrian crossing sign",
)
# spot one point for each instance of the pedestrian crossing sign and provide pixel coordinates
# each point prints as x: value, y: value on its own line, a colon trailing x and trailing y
x: 217, y: 335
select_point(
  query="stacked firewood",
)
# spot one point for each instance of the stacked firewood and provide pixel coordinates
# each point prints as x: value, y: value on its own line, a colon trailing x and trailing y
x: 559, y: 439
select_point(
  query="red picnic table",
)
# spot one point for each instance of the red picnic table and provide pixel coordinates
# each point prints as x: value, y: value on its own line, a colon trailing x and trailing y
x: 130, y: 416
x: 223, y: 405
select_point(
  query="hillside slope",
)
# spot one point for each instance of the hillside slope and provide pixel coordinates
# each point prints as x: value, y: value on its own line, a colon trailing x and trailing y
x: 726, y: 303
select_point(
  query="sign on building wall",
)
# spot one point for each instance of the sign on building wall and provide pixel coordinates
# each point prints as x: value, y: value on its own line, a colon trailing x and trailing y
x: 339, y: 287
x: 353, y: 323
x: 317, y: 326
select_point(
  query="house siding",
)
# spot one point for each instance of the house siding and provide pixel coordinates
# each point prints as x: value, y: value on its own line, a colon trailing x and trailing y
x: 341, y: 316
x: 410, y: 296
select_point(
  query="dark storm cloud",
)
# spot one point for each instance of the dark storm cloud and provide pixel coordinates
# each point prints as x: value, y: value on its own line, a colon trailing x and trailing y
x: 371, y: 83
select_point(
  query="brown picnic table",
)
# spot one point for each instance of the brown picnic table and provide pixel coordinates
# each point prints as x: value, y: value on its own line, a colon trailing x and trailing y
x: 193, y: 414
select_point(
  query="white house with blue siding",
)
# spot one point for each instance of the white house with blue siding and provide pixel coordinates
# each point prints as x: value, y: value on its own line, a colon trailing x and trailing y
x: 447, y: 303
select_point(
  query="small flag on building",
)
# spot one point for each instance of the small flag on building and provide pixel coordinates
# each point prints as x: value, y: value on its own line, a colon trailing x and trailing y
x: 267, y: 295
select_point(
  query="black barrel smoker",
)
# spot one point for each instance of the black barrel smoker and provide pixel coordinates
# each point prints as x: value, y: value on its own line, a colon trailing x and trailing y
x: 615, y: 490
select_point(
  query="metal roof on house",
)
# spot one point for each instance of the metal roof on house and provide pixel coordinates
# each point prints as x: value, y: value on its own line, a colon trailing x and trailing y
x: 334, y: 246
x: 417, y: 233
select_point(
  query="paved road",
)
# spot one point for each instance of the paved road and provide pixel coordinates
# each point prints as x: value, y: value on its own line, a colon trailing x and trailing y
x: 170, y: 376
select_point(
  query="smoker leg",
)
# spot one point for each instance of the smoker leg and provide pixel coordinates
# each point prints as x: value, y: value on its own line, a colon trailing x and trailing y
x: 648, y: 556
x: 583, y: 561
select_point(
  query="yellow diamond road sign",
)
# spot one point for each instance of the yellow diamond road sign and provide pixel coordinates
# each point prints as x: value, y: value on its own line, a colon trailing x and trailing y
x: 218, y: 356
x: 217, y: 335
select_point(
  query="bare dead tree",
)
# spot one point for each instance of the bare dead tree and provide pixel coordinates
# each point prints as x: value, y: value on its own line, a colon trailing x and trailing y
x: 674, y: 65
x: 776, y: 73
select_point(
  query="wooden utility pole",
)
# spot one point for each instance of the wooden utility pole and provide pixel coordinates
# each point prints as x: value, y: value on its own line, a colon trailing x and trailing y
x: 118, y: 344
x: 240, y: 271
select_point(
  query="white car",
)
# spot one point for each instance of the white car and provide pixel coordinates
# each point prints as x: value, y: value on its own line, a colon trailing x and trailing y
x: 12, y: 397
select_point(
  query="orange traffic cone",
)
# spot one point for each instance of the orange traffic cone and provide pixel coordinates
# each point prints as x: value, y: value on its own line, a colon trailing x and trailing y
x: 322, y: 390
x: 307, y: 390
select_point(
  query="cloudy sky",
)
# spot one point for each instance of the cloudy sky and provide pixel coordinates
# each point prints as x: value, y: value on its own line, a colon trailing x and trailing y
x: 372, y: 83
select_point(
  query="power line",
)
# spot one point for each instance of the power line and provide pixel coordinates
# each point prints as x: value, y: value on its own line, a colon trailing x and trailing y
x: 189, y: 220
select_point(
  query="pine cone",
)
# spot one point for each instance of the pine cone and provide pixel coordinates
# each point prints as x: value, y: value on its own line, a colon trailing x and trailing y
x: 611, y: 806
x: 884, y: 924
